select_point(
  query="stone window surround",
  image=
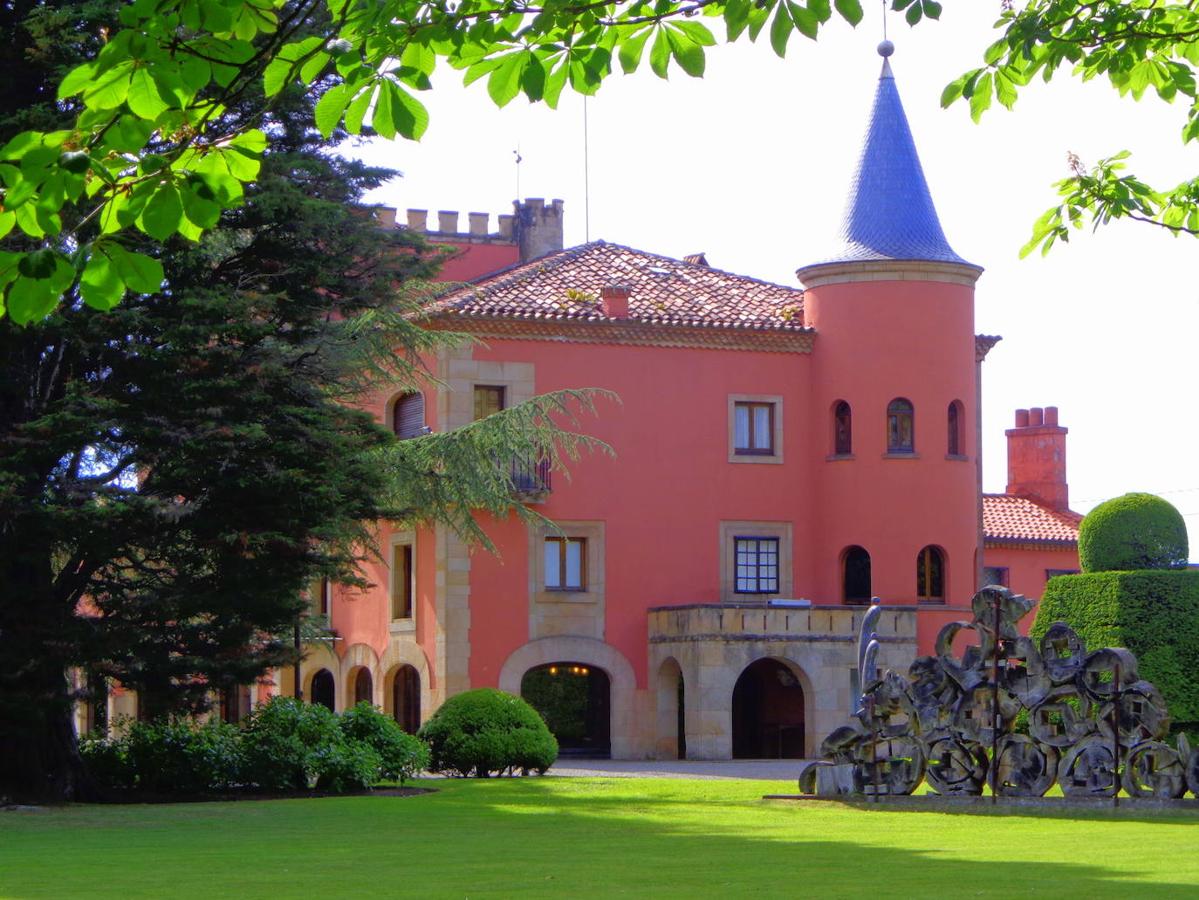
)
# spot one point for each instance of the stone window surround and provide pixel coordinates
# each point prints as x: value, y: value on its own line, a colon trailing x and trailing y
x: 729, y: 531
x: 462, y: 374
x: 772, y: 458
x: 399, y: 538
x: 593, y: 534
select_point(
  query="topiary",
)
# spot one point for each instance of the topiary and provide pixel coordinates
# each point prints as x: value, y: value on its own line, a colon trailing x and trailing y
x: 1154, y: 614
x: 483, y: 731
x: 402, y: 755
x: 1133, y: 532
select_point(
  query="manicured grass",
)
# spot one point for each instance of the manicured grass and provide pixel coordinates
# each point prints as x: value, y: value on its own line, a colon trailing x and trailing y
x: 560, y: 837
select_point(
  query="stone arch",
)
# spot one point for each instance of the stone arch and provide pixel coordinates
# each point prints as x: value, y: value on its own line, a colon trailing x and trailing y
x: 671, y: 737
x: 398, y: 655
x: 591, y: 652
x: 793, y: 660
x: 358, y: 656
x: 316, y: 657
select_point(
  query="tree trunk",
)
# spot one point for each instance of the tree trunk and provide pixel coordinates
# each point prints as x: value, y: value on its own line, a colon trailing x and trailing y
x: 39, y: 747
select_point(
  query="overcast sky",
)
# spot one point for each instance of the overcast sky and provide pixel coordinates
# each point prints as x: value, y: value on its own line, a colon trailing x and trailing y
x: 751, y: 165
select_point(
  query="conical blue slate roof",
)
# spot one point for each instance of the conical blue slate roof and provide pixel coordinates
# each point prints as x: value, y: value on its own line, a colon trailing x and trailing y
x: 890, y: 213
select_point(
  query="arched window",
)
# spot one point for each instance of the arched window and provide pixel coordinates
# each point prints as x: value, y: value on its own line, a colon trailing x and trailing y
x: 954, y: 421
x: 408, y: 415
x: 930, y: 575
x: 901, y: 432
x: 855, y: 580
x: 842, y: 429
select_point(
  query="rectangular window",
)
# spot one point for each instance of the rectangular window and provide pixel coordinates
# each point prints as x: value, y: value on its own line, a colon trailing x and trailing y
x: 753, y: 428
x: 565, y: 564
x: 489, y: 399
x: 756, y: 565
x: 995, y: 575
x: 402, y: 581
x: 319, y: 594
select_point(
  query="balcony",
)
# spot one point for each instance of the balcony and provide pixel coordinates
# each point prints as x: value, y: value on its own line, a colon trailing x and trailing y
x: 737, y: 622
x: 531, y: 479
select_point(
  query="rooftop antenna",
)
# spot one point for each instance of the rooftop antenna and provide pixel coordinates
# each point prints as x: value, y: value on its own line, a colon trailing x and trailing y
x: 586, y: 178
x: 885, y: 48
x: 518, y: 159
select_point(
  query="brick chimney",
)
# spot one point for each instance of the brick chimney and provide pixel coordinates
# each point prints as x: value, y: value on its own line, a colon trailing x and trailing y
x: 537, y: 227
x: 1036, y: 458
x: 614, y: 300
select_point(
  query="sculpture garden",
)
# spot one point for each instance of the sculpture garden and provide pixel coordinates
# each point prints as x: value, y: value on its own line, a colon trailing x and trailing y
x: 1093, y: 725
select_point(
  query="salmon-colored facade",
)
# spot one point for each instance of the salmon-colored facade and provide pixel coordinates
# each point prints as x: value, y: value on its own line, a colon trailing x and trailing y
x: 780, y: 455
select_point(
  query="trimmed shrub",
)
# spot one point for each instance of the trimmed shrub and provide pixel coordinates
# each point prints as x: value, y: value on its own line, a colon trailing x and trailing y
x: 167, y: 756
x: 342, y: 765
x: 484, y: 731
x: 1154, y: 614
x: 283, y: 741
x: 1133, y: 532
x: 284, y: 745
x: 401, y: 755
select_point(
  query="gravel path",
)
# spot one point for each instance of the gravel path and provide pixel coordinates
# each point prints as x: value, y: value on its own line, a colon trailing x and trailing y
x: 760, y: 769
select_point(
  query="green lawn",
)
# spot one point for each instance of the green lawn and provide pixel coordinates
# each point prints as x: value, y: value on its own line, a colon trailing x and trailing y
x: 585, y: 837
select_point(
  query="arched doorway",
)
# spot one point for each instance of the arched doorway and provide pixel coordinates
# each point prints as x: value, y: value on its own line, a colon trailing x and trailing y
x: 363, y: 686
x: 405, y: 698
x: 768, y: 713
x: 322, y: 689
x: 672, y: 726
x: 575, y: 701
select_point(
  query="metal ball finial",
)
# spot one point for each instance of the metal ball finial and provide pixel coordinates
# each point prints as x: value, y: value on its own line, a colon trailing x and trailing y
x: 885, y: 49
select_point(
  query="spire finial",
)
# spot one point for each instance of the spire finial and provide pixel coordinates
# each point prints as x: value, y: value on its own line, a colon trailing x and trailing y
x: 885, y: 49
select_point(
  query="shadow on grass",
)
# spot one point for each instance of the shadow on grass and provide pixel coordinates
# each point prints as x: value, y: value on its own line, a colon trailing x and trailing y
x: 536, y: 837
x: 1053, y: 808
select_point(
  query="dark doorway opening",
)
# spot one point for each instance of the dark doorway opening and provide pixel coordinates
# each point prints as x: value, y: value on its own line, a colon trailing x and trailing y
x: 856, y: 580
x: 363, y: 687
x: 768, y: 713
x: 575, y: 701
x: 405, y: 698
x: 321, y: 690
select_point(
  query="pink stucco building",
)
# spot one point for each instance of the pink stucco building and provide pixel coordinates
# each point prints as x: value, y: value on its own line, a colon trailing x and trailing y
x: 782, y: 455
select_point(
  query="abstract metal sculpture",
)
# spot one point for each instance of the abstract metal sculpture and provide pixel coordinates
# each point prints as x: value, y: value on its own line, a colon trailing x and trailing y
x: 1093, y: 725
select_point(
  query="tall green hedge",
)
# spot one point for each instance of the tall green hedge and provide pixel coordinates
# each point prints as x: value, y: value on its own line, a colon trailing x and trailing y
x: 1155, y: 614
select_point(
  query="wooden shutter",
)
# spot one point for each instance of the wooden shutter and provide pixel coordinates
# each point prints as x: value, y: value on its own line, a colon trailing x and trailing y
x: 409, y: 415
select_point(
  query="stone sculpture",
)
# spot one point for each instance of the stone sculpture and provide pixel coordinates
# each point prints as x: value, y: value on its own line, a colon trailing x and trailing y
x: 1094, y: 725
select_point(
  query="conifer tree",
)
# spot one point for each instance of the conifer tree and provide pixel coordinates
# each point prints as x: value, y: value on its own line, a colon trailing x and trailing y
x: 174, y: 471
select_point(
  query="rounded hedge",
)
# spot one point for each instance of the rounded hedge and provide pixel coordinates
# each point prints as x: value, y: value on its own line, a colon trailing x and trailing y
x: 484, y: 731
x: 1131, y: 533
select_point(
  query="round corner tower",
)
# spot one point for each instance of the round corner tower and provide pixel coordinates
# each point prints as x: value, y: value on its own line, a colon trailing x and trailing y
x: 895, y: 378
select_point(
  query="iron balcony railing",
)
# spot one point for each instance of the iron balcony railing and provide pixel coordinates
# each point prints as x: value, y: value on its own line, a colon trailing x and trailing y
x: 531, y: 475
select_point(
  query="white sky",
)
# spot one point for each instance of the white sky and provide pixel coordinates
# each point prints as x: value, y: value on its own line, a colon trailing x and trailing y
x: 751, y: 165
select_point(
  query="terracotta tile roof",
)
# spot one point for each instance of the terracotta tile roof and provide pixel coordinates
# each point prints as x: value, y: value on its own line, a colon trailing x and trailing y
x: 1007, y: 517
x: 566, y: 285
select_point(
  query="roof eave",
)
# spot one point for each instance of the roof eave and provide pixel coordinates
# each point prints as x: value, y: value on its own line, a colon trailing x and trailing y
x: 846, y: 271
